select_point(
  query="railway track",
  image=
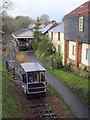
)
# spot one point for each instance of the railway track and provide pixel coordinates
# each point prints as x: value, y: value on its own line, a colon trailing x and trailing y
x: 42, y: 110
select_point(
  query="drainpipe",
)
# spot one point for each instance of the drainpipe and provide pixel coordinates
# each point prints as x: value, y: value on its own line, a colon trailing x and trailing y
x: 65, y: 52
x: 77, y: 56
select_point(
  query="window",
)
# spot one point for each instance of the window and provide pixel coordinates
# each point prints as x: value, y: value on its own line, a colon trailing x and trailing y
x: 22, y: 43
x: 87, y: 54
x: 73, y: 49
x: 59, y: 50
x: 58, y: 36
x: 51, y: 35
x: 80, y: 23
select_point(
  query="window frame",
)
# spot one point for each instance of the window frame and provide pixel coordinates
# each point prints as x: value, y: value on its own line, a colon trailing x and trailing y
x: 73, y: 49
x: 58, y: 36
x: 52, y: 35
x: 87, y: 53
x: 81, y: 23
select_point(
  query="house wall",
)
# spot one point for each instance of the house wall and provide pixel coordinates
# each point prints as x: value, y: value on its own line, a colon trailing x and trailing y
x: 83, y: 48
x: 83, y: 58
x: 62, y: 45
x: 49, y: 34
x: 71, y: 29
x: 57, y: 43
x: 55, y: 40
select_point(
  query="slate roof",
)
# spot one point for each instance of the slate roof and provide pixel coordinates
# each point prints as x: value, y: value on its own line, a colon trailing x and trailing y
x: 19, y: 32
x: 48, y: 27
x: 1, y: 32
x: 58, y: 28
x: 31, y: 26
x: 83, y: 9
x: 32, y: 66
x: 23, y: 33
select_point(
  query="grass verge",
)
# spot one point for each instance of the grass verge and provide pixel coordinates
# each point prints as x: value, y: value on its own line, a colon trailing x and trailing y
x: 79, y: 85
x: 21, y: 57
x: 11, y: 107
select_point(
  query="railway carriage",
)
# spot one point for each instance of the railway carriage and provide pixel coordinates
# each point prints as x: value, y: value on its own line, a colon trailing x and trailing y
x: 34, y: 81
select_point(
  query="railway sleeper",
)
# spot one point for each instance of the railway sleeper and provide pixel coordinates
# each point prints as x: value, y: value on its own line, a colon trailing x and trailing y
x: 47, y: 117
x: 49, y: 114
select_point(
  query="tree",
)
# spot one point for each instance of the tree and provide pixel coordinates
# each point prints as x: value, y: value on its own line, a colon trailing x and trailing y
x: 11, y: 25
x: 44, y: 19
x: 22, y: 22
x: 5, y: 5
x: 37, y: 34
x: 45, y: 46
x: 7, y: 24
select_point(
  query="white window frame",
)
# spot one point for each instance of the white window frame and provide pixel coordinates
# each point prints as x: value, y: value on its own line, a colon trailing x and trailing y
x: 58, y: 36
x: 73, y: 49
x: 81, y: 23
x: 88, y: 54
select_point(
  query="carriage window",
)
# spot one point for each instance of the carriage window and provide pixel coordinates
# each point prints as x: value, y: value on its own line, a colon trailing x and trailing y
x: 42, y: 76
x: 24, y: 78
x: 30, y: 77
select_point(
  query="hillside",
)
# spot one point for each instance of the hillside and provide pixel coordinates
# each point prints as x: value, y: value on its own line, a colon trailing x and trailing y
x: 11, y: 107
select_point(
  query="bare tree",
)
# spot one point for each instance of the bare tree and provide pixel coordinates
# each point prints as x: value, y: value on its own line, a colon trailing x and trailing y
x: 44, y: 18
x: 5, y: 5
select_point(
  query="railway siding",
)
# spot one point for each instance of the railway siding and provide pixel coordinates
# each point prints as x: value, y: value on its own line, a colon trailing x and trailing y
x: 53, y: 106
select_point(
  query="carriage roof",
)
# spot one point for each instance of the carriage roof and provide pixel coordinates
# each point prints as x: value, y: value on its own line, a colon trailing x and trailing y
x: 32, y: 66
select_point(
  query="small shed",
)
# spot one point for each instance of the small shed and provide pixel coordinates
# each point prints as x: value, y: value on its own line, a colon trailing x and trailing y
x: 23, y: 39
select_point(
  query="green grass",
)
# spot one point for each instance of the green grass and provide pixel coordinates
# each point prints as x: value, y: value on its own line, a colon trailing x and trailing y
x: 11, y: 107
x: 77, y: 84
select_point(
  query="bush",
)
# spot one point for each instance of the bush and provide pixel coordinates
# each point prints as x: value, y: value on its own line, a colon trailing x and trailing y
x: 57, y: 61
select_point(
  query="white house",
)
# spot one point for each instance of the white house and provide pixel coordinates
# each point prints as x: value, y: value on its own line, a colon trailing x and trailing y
x: 57, y: 36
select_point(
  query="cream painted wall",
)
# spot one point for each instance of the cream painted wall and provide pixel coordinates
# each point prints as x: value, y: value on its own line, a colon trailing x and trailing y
x: 55, y: 40
x: 83, y: 59
x: 62, y: 45
x: 71, y: 43
x: 56, y: 43
x: 49, y: 34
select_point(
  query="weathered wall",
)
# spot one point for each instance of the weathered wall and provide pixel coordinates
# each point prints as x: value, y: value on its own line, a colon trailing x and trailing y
x: 71, y: 29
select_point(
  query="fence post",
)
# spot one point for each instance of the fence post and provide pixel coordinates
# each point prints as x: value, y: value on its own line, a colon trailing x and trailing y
x: 7, y: 66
